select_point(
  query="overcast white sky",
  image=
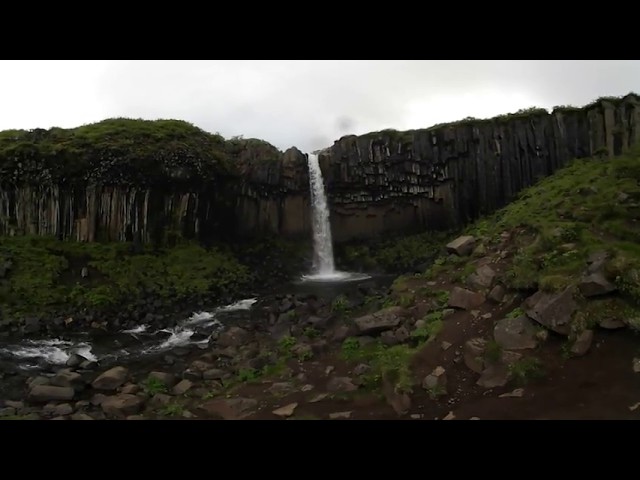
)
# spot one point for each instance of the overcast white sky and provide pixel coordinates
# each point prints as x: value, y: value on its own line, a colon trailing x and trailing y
x: 303, y: 103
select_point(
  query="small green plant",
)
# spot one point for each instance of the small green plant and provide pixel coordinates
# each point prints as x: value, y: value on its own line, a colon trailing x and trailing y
x: 311, y: 332
x: 172, y: 410
x: 350, y: 348
x: 515, y: 313
x: 493, y: 352
x: 285, y: 345
x: 526, y: 369
x: 153, y: 386
x: 340, y: 304
x: 248, y: 374
x: 437, y: 391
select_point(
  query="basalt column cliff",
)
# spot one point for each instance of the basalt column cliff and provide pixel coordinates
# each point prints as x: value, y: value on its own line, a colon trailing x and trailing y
x: 446, y: 175
x: 135, y: 180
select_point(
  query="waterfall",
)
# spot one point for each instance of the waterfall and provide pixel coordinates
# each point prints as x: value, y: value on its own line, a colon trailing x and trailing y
x: 322, y: 242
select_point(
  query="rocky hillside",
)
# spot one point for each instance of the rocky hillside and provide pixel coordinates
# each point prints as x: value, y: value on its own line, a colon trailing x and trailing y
x: 528, y: 314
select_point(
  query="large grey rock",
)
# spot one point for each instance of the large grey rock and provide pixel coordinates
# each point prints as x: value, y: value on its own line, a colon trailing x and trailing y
x: 497, y: 375
x: 497, y: 294
x: 111, y: 379
x: 122, y: 405
x: 515, y: 333
x: 75, y: 360
x: 385, y: 319
x: 553, y: 310
x: 595, y: 284
x: 45, y: 393
x: 234, y: 337
x: 482, y: 278
x: 341, y: 384
x: 474, y: 354
x: 461, y: 246
x: 68, y: 378
x: 465, y: 299
x: 582, y: 343
x: 182, y: 387
x: 229, y: 408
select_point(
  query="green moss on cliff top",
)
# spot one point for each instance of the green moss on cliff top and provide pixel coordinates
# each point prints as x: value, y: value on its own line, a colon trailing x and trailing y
x: 123, y: 151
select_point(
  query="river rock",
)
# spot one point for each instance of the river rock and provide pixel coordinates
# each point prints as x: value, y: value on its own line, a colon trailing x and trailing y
x: 121, y: 405
x: 63, y: 409
x: 111, y: 379
x: 75, y: 360
x: 130, y: 388
x: 182, y: 387
x: 68, y: 378
x: 167, y: 379
x: 234, y: 337
x: 45, y: 393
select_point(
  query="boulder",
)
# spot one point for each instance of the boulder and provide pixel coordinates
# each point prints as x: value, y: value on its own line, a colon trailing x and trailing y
x: 111, y: 379
x: 553, y: 310
x: 595, y: 284
x: 385, y: 319
x: 45, y: 393
x: 461, y: 246
x: 465, y: 299
x: 515, y: 333
x: 122, y: 405
x: 582, y: 343
x: 482, y: 278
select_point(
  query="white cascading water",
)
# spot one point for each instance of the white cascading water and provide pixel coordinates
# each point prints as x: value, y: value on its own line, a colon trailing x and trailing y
x: 324, y: 269
x: 322, y: 242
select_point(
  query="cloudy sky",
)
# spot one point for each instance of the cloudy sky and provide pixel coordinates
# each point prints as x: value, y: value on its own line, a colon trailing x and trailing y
x: 306, y: 103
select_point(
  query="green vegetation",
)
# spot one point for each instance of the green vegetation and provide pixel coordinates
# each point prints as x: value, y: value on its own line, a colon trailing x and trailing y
x: 393, y: 255
x: 152, y: 386
x: 45, y: 274
x: 589, y: 206
x: 172, y: 410
x: 526, y: 369
x: 493, y: 351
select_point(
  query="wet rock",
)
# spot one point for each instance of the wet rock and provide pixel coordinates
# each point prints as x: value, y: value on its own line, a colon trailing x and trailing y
x: 285, y: 411
x: 281, y: 388
x: 213, y: 374
x: 340, y: 415
x: 399, y: 401
x: 482, y: 278
x: 517, y: 393
x: 81, y: 416
x: 97, y: 399
x: 385, y: 319
x: 515, y: 333
x: 167, y: 379
x: 7, y: 412
x: 18, y: 405
x: 474, y: 354
x: 318, y: 397
x: 595, y: 284
x: 341, y: 384
x: 130, y: 388
x: 160, y: 400
x: 45, y: 393
x: 234, y: 337
x: 465, y: 299
x: 553, y: 310
x: 89, y: 365
x: 68, y: 378
x: 182, y: 387
x: 436, y: 382
x: 497, y: 375
x: 75, y: 360
x: 597, y: 262
x: 63, y: 409
x: 611, y: 323
x: 461, y: 246
x: 111, y: 379
x: 230, y: 408
x: 582, y: 343
x: 122, y: 405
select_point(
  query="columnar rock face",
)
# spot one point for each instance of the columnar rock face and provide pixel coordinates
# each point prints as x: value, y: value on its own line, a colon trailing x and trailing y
x: 450, y: 174
x: 124, y: 180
